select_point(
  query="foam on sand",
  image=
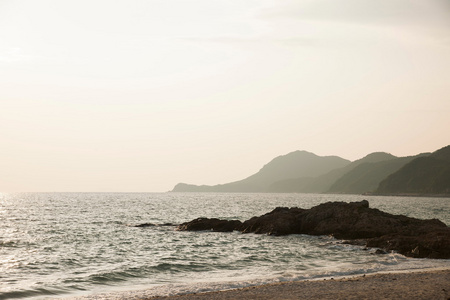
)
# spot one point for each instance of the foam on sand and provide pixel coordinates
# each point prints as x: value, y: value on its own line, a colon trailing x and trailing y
x: 418, y: 284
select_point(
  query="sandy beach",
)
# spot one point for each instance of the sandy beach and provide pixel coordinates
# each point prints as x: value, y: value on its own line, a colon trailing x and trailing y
x: 408, y: 285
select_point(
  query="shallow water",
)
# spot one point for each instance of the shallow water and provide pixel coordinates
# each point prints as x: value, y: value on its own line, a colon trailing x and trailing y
x: 66, y: 244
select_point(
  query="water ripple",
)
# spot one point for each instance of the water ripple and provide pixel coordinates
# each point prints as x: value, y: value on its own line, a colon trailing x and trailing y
x: 62, y: 243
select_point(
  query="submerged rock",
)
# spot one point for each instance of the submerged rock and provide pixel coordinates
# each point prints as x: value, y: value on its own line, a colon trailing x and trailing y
x: 353, y: 221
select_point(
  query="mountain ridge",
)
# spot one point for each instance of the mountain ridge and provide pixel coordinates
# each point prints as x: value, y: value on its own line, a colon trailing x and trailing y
x: 376, y: 173
x: 324, y: 182
x: 424, y: 175
x: 294, y: 164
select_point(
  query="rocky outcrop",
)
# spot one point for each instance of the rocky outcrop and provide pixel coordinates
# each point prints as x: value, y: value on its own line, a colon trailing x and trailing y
x: 280, y: 221
x: 352, y: 221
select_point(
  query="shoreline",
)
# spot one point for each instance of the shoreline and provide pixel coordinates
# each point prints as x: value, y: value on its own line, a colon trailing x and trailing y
x: 429, y: 283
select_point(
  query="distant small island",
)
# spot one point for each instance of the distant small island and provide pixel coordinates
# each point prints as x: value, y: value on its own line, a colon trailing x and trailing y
x: 379, y: 173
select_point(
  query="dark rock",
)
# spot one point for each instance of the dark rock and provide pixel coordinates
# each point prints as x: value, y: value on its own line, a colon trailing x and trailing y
x: 152, y: 225
x: 210, y: 224
x: 357, y: 221
x: 145, y: 225
x: 280, y: 221
x: 433, y: 244
x: 354, y: 221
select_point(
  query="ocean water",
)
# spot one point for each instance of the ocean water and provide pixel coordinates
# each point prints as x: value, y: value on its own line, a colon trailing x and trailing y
x: 62, y: 245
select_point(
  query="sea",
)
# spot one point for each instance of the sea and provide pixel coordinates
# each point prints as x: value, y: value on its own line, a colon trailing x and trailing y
x: 86, y: 245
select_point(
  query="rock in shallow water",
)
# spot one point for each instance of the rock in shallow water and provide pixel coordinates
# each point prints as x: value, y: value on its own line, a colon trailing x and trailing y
x: 152, y: 225
x: 210, y: 224
x: 354, y: 221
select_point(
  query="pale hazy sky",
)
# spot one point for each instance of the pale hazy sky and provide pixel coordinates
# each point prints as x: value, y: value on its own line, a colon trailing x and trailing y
x: 104, y: 95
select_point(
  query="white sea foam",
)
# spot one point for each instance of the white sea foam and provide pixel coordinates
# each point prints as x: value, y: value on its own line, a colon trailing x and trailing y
x: 140, y: 292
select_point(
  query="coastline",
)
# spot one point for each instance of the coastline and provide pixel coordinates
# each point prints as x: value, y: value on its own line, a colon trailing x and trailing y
x: 427, y: 284
x: 433, y: 284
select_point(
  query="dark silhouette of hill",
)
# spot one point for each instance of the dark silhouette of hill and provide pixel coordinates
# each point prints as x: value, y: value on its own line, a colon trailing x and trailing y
x: 442, y: 154
x: 293, y: 165
x: 377, y: 173
x: 366, y: 177
x: 323, y: 183
x: 426, y: 175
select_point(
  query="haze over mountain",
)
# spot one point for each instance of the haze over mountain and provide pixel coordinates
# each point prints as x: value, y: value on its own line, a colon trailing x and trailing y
x: 379, y: 173
x: 365, y: 177
x: 324, y: 182
x: 292, y: 165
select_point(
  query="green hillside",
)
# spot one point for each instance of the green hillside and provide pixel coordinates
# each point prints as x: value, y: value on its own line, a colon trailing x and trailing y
x: 422, y: 176
x: 366, y: 177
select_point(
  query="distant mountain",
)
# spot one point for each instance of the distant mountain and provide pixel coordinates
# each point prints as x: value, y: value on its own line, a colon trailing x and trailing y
x: 293, y: 185
x: 376, y: 173
x: 366, y: 177
x: 442, y: 154
x: 426, y: 175
x: 324, y: 183
x: 293, y: 165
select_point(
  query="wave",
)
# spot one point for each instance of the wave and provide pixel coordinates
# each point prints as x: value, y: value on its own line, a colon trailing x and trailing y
x: 38, y: 292
x: 145, y: 271
x: 71, y: 243
x: 142, y: 292
x: 9, y: 243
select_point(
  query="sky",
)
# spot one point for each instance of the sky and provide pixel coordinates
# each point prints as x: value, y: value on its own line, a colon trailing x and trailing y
x: 137, y: 96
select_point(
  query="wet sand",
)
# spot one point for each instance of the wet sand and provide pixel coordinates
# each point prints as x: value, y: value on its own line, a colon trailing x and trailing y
x: 408, y: 285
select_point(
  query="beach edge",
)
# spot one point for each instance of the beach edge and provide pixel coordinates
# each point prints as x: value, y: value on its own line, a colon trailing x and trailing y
x: 412, y: 284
